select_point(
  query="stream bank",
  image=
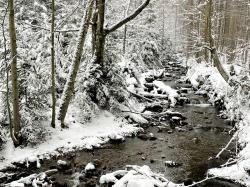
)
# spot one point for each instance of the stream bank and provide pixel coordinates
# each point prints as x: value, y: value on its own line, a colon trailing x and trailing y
x: 181, y: 147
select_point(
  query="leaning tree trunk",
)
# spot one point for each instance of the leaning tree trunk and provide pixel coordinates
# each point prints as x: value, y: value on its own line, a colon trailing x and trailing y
x: 53, y: 90
x: 14, y: 75
x: 213, y: 50
x: 218, y: 65
x: 69, y: 87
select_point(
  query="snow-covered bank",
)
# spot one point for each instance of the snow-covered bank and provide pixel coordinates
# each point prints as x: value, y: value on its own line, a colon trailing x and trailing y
x: 78, y: 136
x: 235, y: 99
x: 136, y: 176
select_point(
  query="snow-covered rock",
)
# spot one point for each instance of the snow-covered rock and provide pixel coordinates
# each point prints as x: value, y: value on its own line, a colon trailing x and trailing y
x: 136, y: 176
x: 90, y: 166
x: 172, y: 93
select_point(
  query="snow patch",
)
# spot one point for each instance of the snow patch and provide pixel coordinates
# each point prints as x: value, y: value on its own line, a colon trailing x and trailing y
x: 217, y: 88
x: 172, y: 93
x: 77, y: 137
x: 89, y: 166
x: 136, y: 176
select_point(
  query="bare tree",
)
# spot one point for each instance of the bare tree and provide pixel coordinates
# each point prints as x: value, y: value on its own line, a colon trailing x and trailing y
x: 7, y: 80
x: 213, y: 50
x: 53, y: 95
x: 14, y: 74
x: 70, y: 84
x: 126, y: 28
x: 102, y: 32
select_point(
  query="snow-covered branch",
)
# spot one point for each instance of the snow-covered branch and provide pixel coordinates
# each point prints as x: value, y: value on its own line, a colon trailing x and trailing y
x: 129, y: 18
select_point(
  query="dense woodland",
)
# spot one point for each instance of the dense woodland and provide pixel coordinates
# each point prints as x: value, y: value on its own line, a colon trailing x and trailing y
x: 66, y: 60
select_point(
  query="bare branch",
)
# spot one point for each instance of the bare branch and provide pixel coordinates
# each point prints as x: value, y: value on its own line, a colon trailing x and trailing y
x: 129, y: 18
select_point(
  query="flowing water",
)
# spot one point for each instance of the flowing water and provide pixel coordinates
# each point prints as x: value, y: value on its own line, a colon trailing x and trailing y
x: 203, y: 137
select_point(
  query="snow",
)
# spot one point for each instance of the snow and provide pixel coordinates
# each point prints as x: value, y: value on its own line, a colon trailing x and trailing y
x: 61, y: 163
x: 221, y: 89
x: 89, y: 166
x: 116, y: 137
x: 137, y: 176
x: 108, y: 178
x: 16, y: 184
x: 200, y: 105
x: 78, y: 136
x: 172, y: 93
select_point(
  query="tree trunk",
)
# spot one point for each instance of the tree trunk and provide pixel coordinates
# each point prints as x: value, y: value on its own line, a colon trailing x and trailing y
x: 218, y: 65
x: 213, y: 50
x: 100, y: 35
x: 126, y: 28
x: 15, y: 141
x: 163, y: 22
x: 94, y: 28
x: 14, y: 75
x: 208, y: 28
x: 69, y: 87
x: 53, y: 90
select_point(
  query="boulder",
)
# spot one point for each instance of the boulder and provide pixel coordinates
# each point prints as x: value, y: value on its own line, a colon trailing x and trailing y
x: 152, y: 137
x: 149, y: 79
x: 155, y: 107
x: 63, y: 165
x: 144, y: 137
x: 188, y: 182
x: 149, y: 86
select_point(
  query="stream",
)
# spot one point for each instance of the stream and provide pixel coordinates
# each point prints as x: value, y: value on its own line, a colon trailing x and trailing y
x: 192, y: 147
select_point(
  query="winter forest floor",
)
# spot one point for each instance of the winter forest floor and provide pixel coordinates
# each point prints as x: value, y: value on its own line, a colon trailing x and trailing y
x: 178, y: 143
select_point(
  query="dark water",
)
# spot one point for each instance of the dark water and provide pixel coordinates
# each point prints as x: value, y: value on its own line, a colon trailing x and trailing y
x: 203, y: 138
x: 204, y: 125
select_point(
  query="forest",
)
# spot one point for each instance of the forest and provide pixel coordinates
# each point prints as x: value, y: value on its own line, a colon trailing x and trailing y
x: 125, y: 93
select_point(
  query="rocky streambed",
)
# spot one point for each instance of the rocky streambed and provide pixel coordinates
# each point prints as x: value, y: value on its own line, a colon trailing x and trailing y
x: 180, y: 144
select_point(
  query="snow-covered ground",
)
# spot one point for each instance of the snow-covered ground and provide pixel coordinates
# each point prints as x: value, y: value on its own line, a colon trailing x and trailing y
x: 78, y: 136
x: 136, y: 176
x: 217, y: 88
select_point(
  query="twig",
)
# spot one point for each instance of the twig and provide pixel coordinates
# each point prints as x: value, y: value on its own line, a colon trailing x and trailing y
x: 222, y: 150
x: 46, y: 29
x: 31, y: 177
x: 138, y: 95
x: 229, y: 163
x: 65, y: 19
x: 204, y: 180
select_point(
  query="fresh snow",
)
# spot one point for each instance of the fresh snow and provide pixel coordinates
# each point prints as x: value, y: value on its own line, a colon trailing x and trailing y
x: 78, y: 136
x: 89, y: 166
x: 136, y: 176
x: 172, y: 93
x: 238, y: 171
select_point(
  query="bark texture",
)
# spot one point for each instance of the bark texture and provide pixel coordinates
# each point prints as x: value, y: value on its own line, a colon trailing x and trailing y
x: 213, y: 50
x: 14, y: 75
x: 69, y: 87
x: 53, y: 89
